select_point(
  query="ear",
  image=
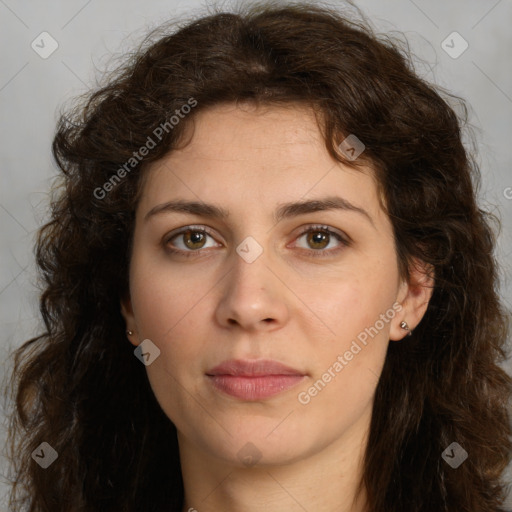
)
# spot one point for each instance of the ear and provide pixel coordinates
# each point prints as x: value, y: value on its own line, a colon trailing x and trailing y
x: 129, y: 318
x: 414, y: 296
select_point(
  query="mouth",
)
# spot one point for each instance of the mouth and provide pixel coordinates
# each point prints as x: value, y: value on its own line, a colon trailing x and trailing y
x: 252, y: 380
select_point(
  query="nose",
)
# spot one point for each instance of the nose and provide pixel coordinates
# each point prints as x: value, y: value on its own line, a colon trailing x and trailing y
x: 253, y: 297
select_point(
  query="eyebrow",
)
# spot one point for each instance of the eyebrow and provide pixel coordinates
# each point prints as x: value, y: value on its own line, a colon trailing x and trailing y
x: 286, y: 210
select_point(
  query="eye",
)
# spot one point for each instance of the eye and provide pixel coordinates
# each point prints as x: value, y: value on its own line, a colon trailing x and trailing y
x: 322, y: 241
x: 188, y: 240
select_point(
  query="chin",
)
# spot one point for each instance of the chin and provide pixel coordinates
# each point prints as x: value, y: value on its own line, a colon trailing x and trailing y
x: 258, y: 441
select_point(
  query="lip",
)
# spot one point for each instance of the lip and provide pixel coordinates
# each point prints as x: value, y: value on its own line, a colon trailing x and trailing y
x: 253, y: 379
x: 253, y: 368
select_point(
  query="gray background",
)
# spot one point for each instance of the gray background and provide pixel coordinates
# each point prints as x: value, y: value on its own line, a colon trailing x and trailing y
x: 32, y: 90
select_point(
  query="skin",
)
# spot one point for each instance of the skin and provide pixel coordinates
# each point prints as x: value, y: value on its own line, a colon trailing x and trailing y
x: 287, y: 305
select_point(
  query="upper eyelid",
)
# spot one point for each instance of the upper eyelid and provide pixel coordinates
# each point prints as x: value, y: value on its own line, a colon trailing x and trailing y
x: 192, y: 227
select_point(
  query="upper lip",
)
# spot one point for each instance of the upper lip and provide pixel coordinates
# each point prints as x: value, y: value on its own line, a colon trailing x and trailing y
x: 253, y: 368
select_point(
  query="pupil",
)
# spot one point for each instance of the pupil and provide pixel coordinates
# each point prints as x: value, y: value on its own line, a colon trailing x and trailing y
x: 195, y: 237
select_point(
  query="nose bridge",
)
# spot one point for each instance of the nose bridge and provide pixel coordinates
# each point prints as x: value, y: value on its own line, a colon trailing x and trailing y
x: 252, y: 295
x: 249, y: 269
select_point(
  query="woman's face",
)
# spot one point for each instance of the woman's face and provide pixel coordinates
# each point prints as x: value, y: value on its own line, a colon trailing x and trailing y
x: 300, y: 270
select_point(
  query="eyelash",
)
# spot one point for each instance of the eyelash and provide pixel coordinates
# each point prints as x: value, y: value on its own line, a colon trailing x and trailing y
x: 316, y: 253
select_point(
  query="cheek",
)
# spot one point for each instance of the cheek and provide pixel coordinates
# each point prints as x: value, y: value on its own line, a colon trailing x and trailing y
x: 348, y: 365
x: 358, y: 308
x: 355, y: 301
x: 360, y: 323
x: 170, y: 310
x: 171, y: 314
x: 162, y: 298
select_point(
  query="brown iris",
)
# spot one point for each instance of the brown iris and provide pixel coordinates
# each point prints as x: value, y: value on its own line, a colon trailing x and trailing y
x: 318, y: 239
x: 194, y: 239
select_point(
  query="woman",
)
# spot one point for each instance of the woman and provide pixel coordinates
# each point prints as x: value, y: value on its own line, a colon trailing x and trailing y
x: 267, y: 286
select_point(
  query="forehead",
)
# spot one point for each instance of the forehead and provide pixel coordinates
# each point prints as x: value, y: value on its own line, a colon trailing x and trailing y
x: 295, y: 123
x: 259, y: 156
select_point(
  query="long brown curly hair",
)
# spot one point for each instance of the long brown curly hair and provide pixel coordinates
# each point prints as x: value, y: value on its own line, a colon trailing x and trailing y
x: 78, y: 387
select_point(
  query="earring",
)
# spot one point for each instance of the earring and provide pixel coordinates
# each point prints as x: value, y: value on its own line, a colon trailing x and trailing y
x: 405, y: 327
x: 129, y: 333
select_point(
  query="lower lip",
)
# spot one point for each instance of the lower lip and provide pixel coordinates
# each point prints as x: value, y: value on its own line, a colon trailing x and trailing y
x: 254, y: 388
